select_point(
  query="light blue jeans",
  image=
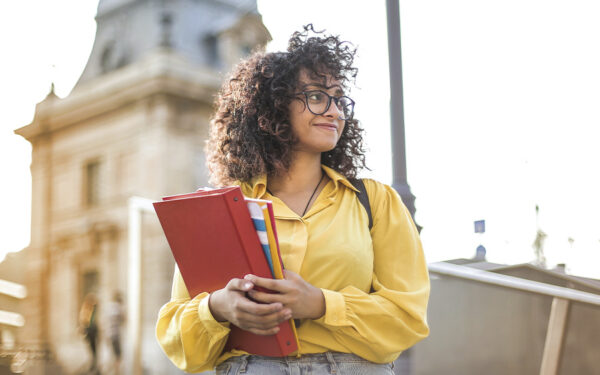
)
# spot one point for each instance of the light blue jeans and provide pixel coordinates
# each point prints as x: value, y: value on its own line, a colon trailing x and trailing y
x: 307, y: 364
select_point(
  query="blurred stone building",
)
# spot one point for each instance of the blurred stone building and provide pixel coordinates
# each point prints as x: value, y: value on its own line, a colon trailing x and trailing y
x: 134, y: 125
x: 12, y: 293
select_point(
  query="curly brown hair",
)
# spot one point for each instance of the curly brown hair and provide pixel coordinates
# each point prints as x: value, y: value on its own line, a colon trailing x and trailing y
x: 250, y: 134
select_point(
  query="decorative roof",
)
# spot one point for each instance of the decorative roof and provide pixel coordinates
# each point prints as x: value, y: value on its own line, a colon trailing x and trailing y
x: 128, y: 30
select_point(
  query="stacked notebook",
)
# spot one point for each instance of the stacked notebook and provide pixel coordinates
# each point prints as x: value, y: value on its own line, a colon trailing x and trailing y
x: 217, y: 235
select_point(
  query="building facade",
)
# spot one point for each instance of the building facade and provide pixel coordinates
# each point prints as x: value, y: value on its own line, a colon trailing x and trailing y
x: 134, y: 125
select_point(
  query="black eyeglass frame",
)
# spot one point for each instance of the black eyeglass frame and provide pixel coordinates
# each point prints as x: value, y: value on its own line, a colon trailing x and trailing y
x: 335, y: 99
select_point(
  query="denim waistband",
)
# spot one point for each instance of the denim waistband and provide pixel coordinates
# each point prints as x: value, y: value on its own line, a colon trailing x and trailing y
x: 317, y: 364
x: 327, y: 357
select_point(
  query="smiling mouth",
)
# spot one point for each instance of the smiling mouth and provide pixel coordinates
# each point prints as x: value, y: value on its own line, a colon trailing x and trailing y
x: 327, y: 126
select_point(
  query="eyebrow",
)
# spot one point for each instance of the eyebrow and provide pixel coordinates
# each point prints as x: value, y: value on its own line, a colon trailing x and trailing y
x: 339, y: 90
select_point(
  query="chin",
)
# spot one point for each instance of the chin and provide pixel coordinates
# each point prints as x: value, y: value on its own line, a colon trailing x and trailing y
x: 329, y: 145
x: 317, y: 147
x: 328, y: 148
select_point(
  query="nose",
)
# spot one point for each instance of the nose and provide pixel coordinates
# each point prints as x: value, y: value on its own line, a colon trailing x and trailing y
x: 333, y: 111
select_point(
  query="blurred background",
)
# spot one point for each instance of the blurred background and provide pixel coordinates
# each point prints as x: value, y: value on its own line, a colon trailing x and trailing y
x: 112, y: 99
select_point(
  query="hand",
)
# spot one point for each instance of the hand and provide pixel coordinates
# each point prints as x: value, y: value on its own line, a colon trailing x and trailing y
x: 230, y: 304
x: 304, y: 299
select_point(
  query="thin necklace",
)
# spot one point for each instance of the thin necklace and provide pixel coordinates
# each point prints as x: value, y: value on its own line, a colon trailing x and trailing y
x: 311, y: 196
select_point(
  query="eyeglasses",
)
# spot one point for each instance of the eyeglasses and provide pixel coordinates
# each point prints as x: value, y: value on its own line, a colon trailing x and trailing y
x: 318, y: 103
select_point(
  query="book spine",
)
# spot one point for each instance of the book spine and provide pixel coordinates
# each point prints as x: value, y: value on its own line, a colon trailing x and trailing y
x: 249, y: 240
x: 286, y: 338
x: 274, y: 228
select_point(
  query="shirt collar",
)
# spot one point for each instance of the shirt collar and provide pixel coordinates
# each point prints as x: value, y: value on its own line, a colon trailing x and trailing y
x: 338, y: 178
x: 257, y: 186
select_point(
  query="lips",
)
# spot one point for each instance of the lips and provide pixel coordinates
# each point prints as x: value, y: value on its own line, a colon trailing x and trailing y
x: 327, y: 126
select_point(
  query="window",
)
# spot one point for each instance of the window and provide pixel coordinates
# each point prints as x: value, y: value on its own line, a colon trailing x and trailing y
x: 211, y: 48
x: 92, y: 183
x: 107, y: 57
x: 246, y: 50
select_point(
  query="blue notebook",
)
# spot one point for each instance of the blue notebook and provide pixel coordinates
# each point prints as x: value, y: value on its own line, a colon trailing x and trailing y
x: 258, y: 220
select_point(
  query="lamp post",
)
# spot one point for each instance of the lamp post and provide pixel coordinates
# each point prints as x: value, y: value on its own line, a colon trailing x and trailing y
x: 399, y: 183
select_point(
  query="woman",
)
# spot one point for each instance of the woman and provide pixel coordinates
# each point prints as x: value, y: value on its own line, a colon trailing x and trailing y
x: 284, y: 131
x: 89, y: 325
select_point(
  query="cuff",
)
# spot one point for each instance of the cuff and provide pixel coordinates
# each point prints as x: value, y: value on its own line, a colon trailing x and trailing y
x: 211, y: 324
x: 335, y: 309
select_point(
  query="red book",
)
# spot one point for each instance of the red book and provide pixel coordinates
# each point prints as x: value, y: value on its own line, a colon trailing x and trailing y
x: 213, y: 240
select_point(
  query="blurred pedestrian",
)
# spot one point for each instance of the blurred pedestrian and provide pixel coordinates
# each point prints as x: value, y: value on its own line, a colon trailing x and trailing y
x: 89, y: 325
x: 115, y: 318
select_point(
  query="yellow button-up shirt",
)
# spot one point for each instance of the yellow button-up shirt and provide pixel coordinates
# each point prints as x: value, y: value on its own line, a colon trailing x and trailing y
x: 376, y: 284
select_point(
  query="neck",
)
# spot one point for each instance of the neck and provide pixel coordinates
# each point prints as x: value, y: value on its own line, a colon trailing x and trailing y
x: 304, y: 173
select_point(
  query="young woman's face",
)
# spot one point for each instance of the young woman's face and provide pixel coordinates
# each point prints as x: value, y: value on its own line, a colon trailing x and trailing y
x: 316, y: 133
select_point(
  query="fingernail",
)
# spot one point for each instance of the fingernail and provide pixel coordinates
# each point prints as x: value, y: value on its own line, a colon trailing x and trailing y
x: 248, y: 285
x: 248, y: 277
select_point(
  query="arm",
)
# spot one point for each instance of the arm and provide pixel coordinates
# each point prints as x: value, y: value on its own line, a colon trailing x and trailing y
x: 193, y: 332
x: 379, y: 325
x: 187, y: 332
x: 391, y: 318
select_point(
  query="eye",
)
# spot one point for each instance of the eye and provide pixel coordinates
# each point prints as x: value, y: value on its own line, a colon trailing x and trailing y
x: 315, y: 96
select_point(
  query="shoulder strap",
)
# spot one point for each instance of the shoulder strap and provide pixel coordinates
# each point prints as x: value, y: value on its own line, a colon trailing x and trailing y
x: 363, y: 197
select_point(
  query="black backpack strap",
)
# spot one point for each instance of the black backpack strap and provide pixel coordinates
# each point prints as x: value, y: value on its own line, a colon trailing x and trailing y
x: 363, y: 197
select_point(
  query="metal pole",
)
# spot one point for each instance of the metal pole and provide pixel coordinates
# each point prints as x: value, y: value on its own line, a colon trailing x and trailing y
x: 134, y: 288
x: 400, y: 182
x: 136, y: 206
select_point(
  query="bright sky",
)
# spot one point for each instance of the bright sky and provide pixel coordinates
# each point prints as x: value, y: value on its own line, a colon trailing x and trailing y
x: 501, y: 112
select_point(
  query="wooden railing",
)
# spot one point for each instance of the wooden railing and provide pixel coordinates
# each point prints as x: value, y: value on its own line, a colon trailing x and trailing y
x: 559, y: 313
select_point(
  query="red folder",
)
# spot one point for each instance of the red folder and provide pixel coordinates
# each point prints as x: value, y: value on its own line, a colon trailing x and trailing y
x: 213, y: 240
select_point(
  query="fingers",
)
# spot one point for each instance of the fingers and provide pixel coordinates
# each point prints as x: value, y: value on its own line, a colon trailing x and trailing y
x: 239, y: 285
x: 264, y: 332
x: 268, y: 297
x: 259, y: 318
x: 271, y: 284
x: 249, y: 314
x: 259, y: 309
x: 261, y: 324
x: 261, y: 312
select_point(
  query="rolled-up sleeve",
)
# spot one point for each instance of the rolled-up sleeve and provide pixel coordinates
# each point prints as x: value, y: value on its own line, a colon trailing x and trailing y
x: 381, y: 324
x: 187, y: 332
